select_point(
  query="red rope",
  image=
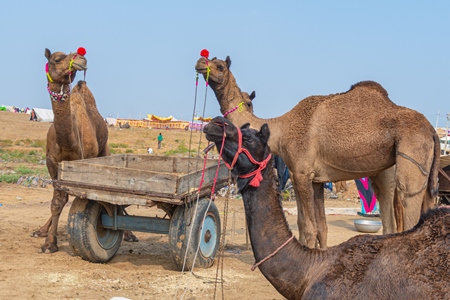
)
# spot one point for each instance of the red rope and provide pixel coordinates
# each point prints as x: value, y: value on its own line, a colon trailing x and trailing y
x: 217, y: 169
x: 261, y: 165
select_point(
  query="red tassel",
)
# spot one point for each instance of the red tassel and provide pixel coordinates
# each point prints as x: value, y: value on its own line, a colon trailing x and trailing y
x: 256, y: 180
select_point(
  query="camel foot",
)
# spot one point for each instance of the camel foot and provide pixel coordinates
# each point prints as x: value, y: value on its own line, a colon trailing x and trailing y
x: 128, y: 236
x: 38, y: 234
x: 47, y: 248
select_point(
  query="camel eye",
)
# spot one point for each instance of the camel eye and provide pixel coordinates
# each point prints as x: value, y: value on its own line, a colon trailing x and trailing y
x: 220, y: 68
x: 248, y: 140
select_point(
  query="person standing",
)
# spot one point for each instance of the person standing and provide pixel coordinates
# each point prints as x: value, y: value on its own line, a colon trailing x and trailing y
x: 160, y: 139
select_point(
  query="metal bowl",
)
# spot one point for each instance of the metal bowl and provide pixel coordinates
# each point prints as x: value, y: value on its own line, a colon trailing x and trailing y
x: 368, y: 226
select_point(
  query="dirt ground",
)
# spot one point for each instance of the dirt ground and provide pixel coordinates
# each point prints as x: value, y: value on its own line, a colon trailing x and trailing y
x: 142, y: 270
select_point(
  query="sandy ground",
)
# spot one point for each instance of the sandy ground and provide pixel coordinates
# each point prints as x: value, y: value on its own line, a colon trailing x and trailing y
x: 142, y: 270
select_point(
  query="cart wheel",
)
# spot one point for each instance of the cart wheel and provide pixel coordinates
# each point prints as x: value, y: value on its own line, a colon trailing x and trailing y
x: 87, y: 237
x: 208, y: 237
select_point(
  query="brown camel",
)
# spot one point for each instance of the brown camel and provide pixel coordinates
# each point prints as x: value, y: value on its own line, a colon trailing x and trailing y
x: 414, y: 264
x: 341, y: 137
x: 78, y: 131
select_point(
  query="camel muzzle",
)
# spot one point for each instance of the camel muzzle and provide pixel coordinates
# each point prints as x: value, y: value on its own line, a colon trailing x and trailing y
x: 80, y: 63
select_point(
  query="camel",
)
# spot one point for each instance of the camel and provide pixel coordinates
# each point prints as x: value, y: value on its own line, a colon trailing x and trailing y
x: 78, y: 131
x: 410, y: 265
x: 345, y: 136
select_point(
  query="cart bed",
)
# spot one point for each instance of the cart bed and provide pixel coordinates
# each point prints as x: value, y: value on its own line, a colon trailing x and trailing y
x: 129, y: 179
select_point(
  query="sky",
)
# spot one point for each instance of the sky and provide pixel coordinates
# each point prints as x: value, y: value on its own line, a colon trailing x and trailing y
x: 141, y: 54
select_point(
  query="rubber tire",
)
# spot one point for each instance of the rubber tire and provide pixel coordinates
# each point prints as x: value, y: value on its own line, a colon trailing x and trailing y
x: 87, y: 238
x: 179, y: 235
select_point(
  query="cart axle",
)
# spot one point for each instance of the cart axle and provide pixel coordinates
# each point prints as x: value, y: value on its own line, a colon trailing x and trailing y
x: 136, y: 223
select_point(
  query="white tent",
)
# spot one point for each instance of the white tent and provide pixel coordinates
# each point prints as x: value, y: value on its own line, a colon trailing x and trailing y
x: 111, y: 121
x: 44, y: 115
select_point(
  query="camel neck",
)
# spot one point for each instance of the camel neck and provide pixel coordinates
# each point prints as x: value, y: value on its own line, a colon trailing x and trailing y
x: 63, y: 124
x: 229, y: 96
x: 227, y: 93
x: 268, y: 230
x: 276, y: 129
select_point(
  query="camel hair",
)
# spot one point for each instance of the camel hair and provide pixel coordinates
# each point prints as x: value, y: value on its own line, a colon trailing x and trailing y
x: 78, y: 131
x: 345, y: 136
x: 413, y: 264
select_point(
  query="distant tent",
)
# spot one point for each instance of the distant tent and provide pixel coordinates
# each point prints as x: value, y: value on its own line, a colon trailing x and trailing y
x: 111, y: 121
x: 160, y: 119
x: 43, y: 114
x: 207, y: 119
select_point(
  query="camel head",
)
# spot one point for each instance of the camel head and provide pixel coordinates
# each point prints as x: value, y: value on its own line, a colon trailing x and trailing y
x: 62, y: 68
x: 248, y: 101
x: 218, y: 70
x: 245, y: 149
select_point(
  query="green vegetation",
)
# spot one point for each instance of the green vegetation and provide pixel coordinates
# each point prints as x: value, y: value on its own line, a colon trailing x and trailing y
x: 118, y: 145
x: 20, y: 171
x: 39, y: 144
x: 6, y: 143
x: 181, y: 149
x: 129, y: 151
x: 21, y: 156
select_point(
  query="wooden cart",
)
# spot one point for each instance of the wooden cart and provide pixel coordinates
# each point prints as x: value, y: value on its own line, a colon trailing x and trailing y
x: 104, y: 186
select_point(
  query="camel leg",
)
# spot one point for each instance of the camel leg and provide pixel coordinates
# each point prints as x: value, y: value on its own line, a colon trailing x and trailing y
x: 306, y: 212
x: 128, y: 235
x: 384, y: 187
x: 320, y: 217
x: 43, y: 231
x: 412, y: 181
x: 59, y: 200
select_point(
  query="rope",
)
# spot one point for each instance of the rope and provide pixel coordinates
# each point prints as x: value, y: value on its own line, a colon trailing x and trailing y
x: 220, y: 257
x: 255, y: 265
x: 187, y: 218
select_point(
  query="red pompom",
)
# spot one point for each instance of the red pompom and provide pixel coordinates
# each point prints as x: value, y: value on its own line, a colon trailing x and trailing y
x: 81, y: 51
x: 204, y: 53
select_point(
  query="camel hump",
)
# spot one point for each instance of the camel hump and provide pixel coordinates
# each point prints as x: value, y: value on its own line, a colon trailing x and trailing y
x: 371, y: 85
x: 80, y: 83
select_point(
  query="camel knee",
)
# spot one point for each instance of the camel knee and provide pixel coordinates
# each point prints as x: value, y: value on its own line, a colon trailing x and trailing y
x: 56, y: 208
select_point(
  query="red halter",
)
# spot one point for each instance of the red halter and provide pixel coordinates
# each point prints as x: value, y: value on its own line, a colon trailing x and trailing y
x: 261, y: 165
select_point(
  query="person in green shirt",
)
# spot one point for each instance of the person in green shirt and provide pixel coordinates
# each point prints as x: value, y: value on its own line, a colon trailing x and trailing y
x: 160, y: 139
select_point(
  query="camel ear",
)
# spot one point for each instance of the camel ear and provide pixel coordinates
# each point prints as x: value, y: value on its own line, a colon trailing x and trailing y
x: 265, y: 132
x: 47, y: 53
x: 228, y: 61
x: 245, y: 126
x: 252, y: 95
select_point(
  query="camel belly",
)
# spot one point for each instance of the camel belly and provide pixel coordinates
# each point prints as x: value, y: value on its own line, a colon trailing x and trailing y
x: 347, y: 164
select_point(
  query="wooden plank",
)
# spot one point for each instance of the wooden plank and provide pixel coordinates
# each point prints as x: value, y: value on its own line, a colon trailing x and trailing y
x: 117, y: 198
x: 192, y: 181
x: 162, y: 164
x: 133, y: 179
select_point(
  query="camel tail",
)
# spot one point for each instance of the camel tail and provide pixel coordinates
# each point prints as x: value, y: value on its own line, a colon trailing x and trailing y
x: 433, y: 182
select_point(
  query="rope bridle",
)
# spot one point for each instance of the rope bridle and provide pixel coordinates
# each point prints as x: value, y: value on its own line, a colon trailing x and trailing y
x: 261, y: 164
x: 62, y: 95
x: 239, y: 108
